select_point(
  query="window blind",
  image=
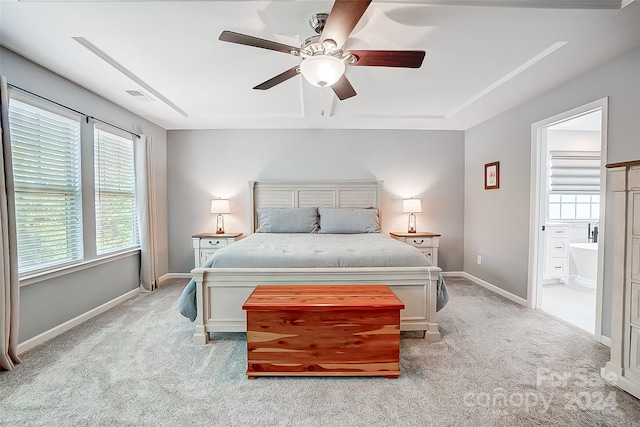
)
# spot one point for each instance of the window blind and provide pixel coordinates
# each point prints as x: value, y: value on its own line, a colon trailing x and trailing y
x: 574, y: 172
x: 46, y: 170
x: 115, y: 201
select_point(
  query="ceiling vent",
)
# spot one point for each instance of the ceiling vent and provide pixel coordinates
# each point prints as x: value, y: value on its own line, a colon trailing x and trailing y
x: 140, y: 96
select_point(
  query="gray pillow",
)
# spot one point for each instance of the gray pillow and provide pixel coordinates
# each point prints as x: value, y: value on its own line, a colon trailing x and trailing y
x: 287, y: 220
x: 349, y: 221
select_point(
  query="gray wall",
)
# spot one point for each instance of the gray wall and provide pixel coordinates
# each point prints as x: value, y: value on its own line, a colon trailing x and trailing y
x: 103, y: 283
x: 211, y: 163
x: 497, y: 221
x: 44, y: 305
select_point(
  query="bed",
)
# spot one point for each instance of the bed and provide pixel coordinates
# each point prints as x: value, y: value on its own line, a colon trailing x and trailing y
x: 343, y: 246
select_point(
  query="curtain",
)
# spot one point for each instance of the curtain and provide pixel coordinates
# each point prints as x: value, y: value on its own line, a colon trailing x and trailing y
x: 145, y: 200
x: 10, y: 286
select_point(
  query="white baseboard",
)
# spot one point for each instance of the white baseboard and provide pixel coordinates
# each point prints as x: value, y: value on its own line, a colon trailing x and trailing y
x: 169, y: 276
x: 495, y: 289
x: 453, y: 274
x: 54, y: 332
x: 605, y: 340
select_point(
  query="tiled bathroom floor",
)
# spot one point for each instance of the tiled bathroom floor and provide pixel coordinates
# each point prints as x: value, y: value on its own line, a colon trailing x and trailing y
x: 572, y: 303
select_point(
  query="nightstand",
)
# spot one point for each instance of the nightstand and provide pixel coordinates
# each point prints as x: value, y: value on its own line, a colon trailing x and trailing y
x: 427, y: 242
x: 206, y: 244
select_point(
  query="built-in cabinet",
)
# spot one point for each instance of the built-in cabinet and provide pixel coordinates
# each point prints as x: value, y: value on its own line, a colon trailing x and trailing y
x: 623, y: 370
x: 556, y: 266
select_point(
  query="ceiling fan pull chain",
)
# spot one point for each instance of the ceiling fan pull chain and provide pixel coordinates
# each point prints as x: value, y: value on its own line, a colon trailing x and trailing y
x: 322, y: 101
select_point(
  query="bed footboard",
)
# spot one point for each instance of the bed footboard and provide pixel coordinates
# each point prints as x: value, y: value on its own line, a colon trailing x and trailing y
x: 222, y: 291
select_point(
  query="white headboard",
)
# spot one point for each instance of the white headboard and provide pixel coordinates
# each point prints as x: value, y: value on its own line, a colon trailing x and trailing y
x: 327, y: 194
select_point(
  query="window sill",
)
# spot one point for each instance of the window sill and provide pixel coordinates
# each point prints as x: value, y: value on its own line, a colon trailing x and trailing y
x: 46, y: 275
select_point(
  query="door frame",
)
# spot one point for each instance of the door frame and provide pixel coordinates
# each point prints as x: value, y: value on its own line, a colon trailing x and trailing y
x: 537, y: 209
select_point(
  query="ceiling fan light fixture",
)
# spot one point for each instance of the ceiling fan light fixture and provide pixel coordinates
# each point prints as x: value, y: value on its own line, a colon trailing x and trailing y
x: 322, y: 70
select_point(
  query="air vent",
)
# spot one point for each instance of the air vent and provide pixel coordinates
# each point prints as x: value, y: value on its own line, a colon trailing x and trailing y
x: 139, y: 95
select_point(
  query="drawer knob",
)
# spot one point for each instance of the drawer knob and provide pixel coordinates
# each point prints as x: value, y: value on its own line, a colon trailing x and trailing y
x: 418, y: 243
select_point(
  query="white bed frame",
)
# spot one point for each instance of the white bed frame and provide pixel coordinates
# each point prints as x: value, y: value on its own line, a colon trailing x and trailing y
x: 221, y: 292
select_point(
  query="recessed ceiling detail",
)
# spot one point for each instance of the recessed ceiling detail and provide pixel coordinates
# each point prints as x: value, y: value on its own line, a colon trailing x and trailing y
x: 115, y: 64
x: 481, y: 60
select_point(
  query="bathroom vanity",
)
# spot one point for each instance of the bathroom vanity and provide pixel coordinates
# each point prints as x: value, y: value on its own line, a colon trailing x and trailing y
x: 556, y: 266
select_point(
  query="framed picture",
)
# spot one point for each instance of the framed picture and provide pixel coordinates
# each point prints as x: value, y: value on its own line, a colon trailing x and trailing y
x: 492, y: 176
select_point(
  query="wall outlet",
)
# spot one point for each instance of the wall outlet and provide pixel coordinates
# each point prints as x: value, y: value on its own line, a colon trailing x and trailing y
x: 479, y: 259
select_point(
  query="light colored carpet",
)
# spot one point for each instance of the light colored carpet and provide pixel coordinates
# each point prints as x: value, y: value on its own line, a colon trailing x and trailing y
x: 499, y: 364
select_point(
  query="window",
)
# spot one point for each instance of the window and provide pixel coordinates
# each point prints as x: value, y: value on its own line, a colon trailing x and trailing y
x: 59, y: 221
x: 115, y: 196
x: 574, y: 185
x: 574, y: 206
x: 46, y: 170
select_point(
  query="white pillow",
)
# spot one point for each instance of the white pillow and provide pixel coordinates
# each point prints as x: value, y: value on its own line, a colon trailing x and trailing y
x: 349, y: 221
x: 287, y: 220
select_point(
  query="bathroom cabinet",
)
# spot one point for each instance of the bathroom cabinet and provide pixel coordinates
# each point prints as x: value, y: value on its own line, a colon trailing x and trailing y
x: 556, y: 266
x: 623, y: 370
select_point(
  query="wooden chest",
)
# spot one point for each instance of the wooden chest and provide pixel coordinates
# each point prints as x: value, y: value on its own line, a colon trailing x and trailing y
x: 323, y: 330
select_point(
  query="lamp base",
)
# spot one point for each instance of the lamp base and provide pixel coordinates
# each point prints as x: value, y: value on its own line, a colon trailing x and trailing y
x: 220, y: 225
x: 412, y: 224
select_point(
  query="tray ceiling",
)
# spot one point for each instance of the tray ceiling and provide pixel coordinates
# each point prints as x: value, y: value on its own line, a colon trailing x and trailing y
x: 164, y: 62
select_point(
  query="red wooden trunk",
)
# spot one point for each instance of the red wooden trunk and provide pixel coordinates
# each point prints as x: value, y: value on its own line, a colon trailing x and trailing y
x: 323, y: 330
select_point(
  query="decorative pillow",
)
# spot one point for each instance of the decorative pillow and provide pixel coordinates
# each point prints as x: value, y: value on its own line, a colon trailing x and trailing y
x: 349, y: 221
x: 287, y: 220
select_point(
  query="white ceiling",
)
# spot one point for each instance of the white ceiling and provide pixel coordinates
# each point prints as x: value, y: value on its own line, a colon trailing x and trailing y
x: 480, y: 61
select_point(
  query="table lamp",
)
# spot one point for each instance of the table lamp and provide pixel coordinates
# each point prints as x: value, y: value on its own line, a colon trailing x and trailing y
x: 411, y: 206
x: 220, y: 206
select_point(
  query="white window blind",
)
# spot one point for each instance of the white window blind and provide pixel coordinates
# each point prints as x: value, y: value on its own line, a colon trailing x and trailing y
x: 46, y: 169
x: 574, y: 172
x: 116, y: 217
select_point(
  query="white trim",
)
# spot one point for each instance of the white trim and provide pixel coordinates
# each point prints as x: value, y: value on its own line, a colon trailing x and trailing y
x: 605, y: 340
x: 57, y: 330
x: 495, y: 289
x: 115, y: 64
x: 169, y: 276
x: 513, y: 73
x: 39, y: 277
x: 453, y: 274
x: 538, y: 139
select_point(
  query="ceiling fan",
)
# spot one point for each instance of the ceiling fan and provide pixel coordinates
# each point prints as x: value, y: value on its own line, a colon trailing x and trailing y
x: 323, y: 60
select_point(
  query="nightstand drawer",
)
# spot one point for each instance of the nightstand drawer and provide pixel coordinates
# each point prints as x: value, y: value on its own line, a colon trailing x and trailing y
x: 423, y: 242
x: 206, y: 244
x: 213, y: 243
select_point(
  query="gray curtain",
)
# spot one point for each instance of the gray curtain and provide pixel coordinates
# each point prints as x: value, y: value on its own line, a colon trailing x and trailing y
x: 145, y: 196
x: 10, y: 286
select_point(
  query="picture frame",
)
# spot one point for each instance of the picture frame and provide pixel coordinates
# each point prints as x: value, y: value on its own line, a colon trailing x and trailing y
x: 492, y: 176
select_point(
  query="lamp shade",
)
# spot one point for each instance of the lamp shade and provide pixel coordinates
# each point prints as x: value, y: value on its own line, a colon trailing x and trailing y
x: 220, y: 206
x: 411, y: 206
x: 322, y: 70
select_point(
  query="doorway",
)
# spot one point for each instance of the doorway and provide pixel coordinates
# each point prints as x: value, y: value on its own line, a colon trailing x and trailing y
x: 568, y: 211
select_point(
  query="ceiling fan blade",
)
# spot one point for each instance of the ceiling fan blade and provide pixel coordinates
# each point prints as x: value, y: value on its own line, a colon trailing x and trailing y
x: 232, y: 37
x: 343, y: 89
x: 291, y: 72
x: 388, y: 58
x: 342, y: 19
